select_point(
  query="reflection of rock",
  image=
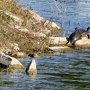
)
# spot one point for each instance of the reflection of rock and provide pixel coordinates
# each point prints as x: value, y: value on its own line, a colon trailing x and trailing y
x: 31, y: 68
x: 9, y: 61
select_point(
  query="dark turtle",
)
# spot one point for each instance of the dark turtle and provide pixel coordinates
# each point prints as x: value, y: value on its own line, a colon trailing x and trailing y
x: 74, y: 37
x: 77, y: 35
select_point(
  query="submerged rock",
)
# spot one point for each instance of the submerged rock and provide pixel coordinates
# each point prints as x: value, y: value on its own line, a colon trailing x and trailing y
x: 31, y: 68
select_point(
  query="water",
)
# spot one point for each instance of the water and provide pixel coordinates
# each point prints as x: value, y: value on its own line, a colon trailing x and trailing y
x: 58, y: 71
x: 66, y: 13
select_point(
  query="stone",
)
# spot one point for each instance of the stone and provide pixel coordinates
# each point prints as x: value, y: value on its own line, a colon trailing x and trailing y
x: 36, y: 16
x: 52, y: 24
x: 39, y: 34
x: 57, y: 40
x: 58, y: 48
x: 84, y: 42
x: 16, y: 18
x: 19, y: 54
x: 19, y: 28
x: 9, y: 61
x: 31, y: 68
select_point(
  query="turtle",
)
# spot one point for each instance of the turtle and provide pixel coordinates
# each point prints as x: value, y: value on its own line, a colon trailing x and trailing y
x: 74, y: 37
x: 77, y: 35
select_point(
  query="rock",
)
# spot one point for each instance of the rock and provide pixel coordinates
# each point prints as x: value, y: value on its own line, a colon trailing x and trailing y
x: 19, y: 54
x: 31, y: 68
x: 7, y: 51
x: 14, y: 46
x: 38, y: 34
x: 33, y: 55
x: 9, y: 61
x: 58, y: 48
x: 57, y: 40
x: 21, y: 29
x: 84, y: 42
x: 46, y: 31
x: 52, y: 24
x: 15, y: 18
x: 36, y: 16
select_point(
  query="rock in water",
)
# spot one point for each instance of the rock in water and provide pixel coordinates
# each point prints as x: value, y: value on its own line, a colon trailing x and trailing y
x: 9, y: 61
x: 31, y: 68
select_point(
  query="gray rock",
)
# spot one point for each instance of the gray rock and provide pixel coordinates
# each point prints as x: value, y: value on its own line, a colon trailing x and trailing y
x: 9, y: 61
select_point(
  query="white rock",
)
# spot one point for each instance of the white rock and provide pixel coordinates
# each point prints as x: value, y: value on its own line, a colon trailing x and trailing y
x: 21, y: 29
x: 19, y: 54
x: 39, y: 34
x: 54, y: 25
x: 31, y: 68
x: 9, y: 61
x: 36, y: 16
x: 85, y: 42
x: 57, y: 40
x: 58, y: 48
x: 46, y: 32
x: 16, y: 18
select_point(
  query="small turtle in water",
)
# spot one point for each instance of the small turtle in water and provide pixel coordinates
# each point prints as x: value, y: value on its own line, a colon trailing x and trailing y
x: 77, y: 35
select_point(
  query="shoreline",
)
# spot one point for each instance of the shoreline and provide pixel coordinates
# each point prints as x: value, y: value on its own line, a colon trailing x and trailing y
x: 23, y: 30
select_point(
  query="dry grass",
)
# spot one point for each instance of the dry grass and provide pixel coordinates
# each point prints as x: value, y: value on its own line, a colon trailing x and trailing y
x: 26, y: 41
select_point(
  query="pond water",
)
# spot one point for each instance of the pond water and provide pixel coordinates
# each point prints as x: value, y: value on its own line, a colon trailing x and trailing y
x: 57, y: 71
x: 66, y: 13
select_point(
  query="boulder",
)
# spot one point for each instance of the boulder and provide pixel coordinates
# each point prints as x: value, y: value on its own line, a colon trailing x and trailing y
x: 52, y: 24
x: 57, y: 40
x: 31, y: 68
x: 38, y: 34
x: 36, y: 16
x: 84, y: 42
x: 9, y: 61
x: 58, y: 48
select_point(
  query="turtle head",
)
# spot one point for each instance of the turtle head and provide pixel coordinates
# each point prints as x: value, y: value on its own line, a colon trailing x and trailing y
x: 88, y: 29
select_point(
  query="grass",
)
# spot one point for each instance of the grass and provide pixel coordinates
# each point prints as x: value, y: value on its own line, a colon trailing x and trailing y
x: 26, y: 41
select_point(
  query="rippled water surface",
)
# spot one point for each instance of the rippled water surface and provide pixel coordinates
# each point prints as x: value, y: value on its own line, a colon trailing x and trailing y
x: 58, y: 71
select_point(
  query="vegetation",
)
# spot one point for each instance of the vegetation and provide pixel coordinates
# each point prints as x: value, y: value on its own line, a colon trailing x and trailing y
x: 26, y: 41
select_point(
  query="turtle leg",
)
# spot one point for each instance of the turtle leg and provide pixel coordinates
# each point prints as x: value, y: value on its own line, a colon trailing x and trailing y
x: 67, y: 40
x: 88, y: 36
